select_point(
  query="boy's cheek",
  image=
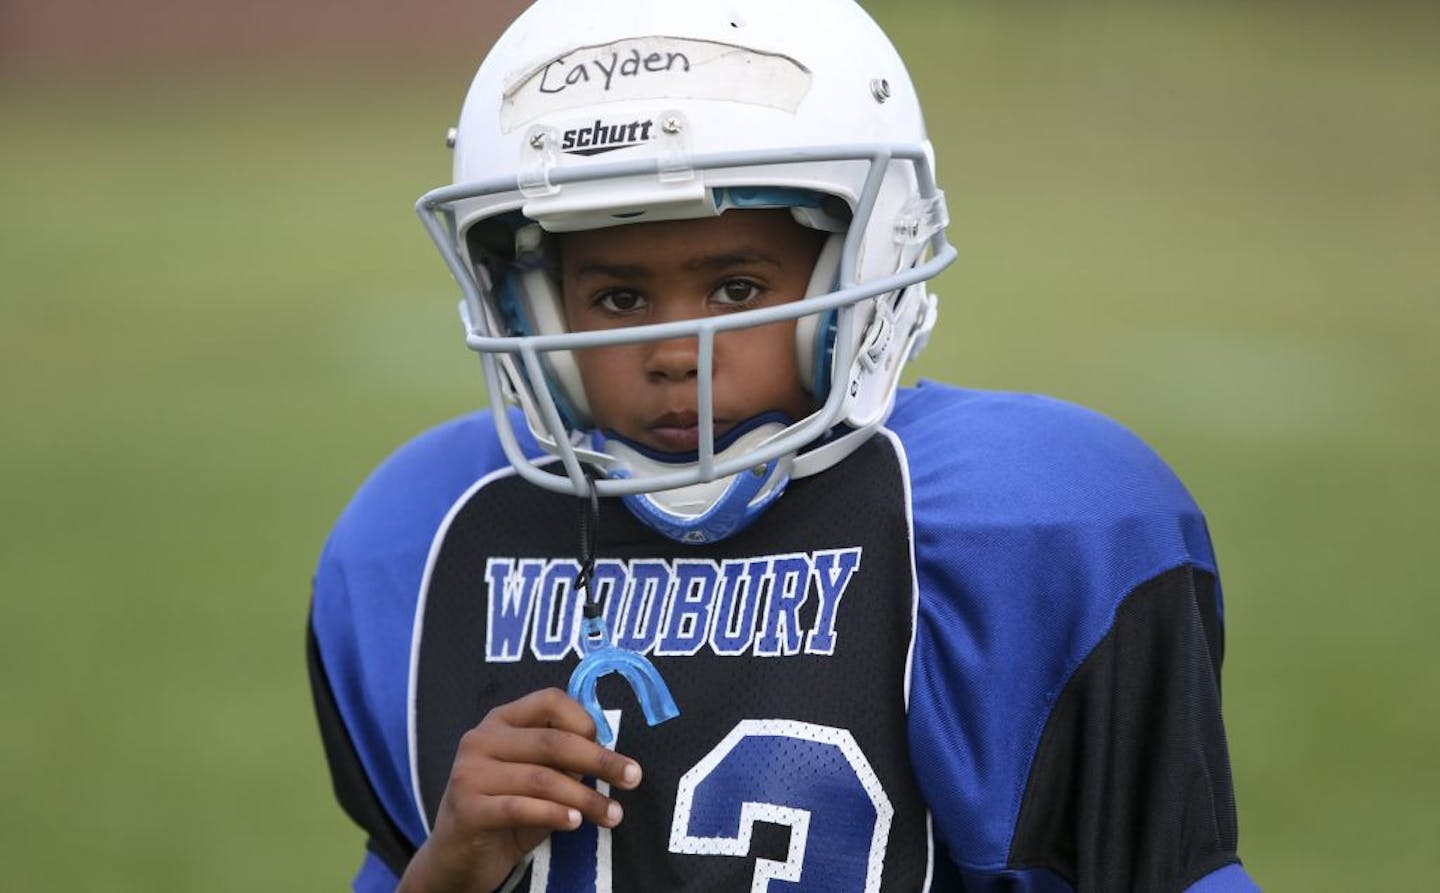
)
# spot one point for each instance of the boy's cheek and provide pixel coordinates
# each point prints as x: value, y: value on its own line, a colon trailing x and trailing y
x: 606, y: 371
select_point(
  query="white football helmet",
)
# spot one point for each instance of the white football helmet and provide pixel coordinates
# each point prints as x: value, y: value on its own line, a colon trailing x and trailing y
x: 597, y: 113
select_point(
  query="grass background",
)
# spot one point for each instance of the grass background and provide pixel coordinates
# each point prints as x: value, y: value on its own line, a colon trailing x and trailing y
x: 1217, y: 223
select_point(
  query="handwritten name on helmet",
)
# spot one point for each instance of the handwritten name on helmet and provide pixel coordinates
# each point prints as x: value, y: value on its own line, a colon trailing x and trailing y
x: 653, y: 69
x: 605, y: 67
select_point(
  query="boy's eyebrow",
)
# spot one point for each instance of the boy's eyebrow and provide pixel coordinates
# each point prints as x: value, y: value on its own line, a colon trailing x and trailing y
x: 616, y: 271
x: 742, y: 257
x: 724, y: 261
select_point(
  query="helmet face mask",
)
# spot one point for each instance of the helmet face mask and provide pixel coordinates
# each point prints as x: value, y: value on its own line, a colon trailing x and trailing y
x: 711, y: 116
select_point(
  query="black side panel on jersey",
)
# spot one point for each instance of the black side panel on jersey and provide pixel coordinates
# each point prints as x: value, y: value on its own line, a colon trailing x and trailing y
x: 352, y: 785
x: 746, y: 709
x: 1130, y: 788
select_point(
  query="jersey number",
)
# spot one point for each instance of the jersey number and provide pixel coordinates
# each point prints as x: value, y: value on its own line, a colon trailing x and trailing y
x: 813, y: 779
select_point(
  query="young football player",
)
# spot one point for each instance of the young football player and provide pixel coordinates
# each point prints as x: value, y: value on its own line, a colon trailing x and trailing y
x: 707, y: 601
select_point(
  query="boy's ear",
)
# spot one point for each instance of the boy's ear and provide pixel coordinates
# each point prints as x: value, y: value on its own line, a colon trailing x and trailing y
x: 815, y: 334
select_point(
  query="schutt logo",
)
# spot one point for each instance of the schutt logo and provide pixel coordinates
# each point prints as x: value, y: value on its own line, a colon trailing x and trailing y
x: 601, y: 137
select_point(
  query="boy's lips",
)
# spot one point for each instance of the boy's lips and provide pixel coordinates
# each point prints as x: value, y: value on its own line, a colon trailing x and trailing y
x: 678, y: 432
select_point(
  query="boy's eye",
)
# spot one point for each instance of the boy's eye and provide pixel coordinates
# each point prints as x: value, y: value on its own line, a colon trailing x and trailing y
x: 736, y: 291
x: 619, y: 301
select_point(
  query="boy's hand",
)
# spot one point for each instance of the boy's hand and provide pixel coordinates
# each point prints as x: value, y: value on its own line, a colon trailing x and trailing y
x: 515, y: 779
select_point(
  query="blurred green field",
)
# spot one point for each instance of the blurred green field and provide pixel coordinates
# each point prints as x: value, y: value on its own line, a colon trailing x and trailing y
x: 217, y: 312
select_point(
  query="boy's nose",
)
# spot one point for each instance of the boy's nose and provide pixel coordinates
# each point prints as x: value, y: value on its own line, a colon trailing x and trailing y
x: 677, y: 359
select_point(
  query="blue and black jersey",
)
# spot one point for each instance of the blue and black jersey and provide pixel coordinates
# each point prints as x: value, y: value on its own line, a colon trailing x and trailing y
x: 981, y: 653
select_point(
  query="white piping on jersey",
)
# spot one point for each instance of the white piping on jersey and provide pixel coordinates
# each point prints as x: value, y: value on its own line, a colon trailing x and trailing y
x: 417, y: 629
x: 904, y: 461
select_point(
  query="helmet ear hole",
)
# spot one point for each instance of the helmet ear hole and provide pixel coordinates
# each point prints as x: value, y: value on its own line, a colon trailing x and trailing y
x: 815, y: 334
x: 490, y: 246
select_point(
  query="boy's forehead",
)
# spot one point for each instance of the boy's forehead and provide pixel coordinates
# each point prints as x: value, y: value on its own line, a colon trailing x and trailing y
x: 769, y: 231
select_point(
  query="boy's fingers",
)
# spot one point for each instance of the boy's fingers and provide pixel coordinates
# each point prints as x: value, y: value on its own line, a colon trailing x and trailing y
x: 515, y: 811
x: 566, y: 751
x: 547, y: 708
x: 495, y: 784
x: 551, y: 728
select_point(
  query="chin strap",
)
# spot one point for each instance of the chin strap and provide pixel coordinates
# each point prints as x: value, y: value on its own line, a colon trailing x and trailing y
x: 732, y: 511
x: 599, y: 656
x: 711, y: 511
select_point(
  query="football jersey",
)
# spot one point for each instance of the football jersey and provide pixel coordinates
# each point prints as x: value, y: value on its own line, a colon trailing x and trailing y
x: 981, y: 652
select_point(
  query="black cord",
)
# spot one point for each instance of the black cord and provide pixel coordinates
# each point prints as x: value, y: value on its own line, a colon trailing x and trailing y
x: 589, y: 534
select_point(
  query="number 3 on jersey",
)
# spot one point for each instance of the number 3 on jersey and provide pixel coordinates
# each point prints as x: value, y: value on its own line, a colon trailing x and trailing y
x: 813, y: 779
